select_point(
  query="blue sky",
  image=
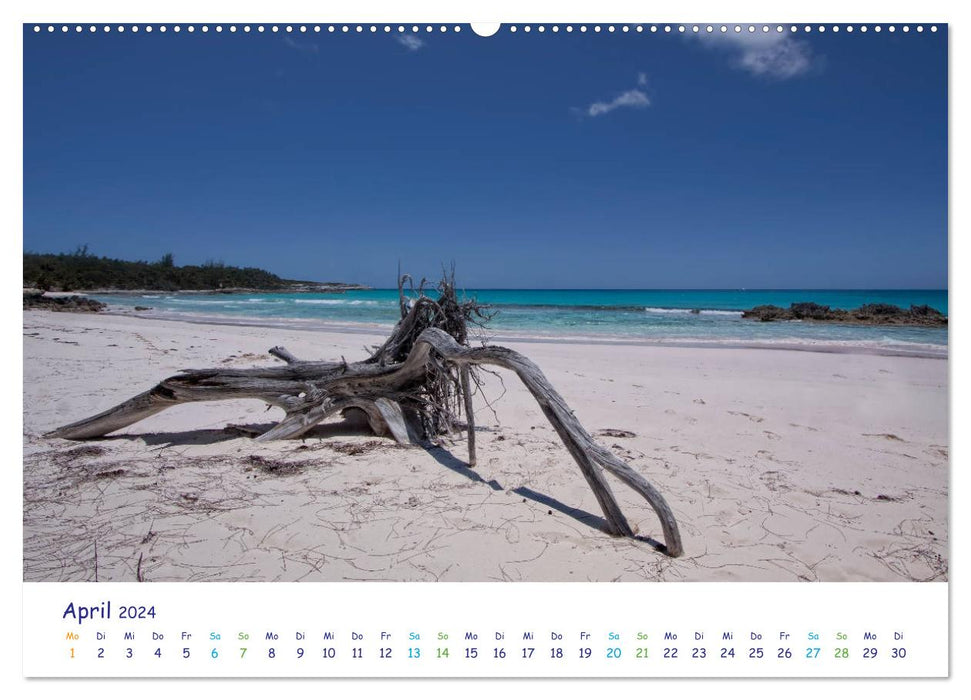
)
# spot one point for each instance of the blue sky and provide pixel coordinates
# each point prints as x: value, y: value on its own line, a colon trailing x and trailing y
x: 554, y: 160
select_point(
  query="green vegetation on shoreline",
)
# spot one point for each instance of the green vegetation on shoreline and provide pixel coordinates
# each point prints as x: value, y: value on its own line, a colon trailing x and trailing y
x: 82, y: 271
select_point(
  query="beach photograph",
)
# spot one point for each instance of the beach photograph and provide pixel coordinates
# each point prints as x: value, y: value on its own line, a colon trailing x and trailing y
x: 552, y: 305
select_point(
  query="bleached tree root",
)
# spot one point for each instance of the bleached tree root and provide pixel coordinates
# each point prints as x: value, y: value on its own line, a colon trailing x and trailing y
x: 390, y: 396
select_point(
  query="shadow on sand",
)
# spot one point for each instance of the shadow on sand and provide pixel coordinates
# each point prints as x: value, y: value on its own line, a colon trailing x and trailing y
x: 450, y: 461
x: 355, y: 428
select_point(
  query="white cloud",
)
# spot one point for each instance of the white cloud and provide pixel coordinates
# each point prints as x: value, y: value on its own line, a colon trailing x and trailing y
x: 410, y: 41
x: 631, y: 98
x: 308, y: 48
x: 642, y: 79
x: 776, y: 55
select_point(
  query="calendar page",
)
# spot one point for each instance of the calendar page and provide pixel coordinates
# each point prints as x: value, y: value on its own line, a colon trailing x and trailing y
x: 409, y: 346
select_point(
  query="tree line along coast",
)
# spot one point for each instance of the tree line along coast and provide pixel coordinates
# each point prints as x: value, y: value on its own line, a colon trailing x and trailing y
x: 82, y: 271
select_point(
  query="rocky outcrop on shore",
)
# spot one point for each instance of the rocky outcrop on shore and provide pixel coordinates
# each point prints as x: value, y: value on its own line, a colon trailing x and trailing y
x: 73, y: 302
x: 868, y: 314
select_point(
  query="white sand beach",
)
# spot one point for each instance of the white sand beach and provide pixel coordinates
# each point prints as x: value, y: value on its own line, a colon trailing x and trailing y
x: 780, y: 465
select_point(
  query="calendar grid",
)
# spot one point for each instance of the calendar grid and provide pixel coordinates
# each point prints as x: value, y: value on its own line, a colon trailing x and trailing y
x: 476, y: 630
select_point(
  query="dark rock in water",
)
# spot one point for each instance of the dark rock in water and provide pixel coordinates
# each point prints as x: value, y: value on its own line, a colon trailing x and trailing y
x: 143, y: 308
x: 39, y: 300
x: 880, y: 310
x: 696, y: 311
x: 768, y: 312
x: 808, y: 309
x: 868, y: 314
x: 889, y: 314
x: 924, y: 310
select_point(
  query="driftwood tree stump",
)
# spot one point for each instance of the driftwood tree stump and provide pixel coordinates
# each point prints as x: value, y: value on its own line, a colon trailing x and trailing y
x: 413, y: 387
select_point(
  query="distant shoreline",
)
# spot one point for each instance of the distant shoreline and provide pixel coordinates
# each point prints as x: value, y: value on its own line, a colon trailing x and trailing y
x: 497, y: 336
x: 295, y: 289
x: 622, y: 319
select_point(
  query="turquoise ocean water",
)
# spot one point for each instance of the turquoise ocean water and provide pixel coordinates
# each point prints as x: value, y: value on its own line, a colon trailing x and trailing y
x: 619, y: 315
